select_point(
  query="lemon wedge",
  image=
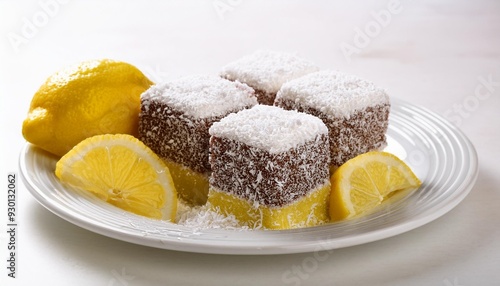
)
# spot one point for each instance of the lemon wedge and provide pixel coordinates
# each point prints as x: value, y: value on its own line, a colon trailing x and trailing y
x: 365, y: 181
x: 122, y: 171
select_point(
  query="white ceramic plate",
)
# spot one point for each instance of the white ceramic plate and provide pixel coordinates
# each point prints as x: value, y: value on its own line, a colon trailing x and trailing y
x: 440, y: 155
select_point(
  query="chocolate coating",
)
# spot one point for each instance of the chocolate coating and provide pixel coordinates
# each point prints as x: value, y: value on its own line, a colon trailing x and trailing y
x: 363, y: 131
x: 269, y: 179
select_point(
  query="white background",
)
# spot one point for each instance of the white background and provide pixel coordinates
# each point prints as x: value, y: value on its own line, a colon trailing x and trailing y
x: 429, y: 53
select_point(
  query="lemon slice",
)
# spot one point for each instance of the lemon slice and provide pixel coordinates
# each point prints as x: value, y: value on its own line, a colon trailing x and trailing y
x: 123, y: 171
x: 365, y: 181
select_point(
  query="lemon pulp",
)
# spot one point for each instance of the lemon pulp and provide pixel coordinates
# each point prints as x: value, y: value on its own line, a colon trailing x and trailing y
x: 121, y: 170
x: 365, y: 181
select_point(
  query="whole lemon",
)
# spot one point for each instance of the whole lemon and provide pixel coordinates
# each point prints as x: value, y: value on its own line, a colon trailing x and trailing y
x: 94, y: 97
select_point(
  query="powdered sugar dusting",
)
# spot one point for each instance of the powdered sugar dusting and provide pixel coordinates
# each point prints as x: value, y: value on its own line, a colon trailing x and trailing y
x: 269, y: 128
x: 333, y: 93
x: 267, y: 70
x: 202, y: 96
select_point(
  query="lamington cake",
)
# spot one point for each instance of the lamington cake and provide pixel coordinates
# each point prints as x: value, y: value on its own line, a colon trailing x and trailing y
x: 270, y: 168
x: 174, y: 121
x: 355, y: 111
x: 266, y: 71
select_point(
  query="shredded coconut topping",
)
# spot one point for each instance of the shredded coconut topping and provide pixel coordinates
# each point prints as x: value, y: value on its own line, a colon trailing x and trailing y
x: 203, y: 217
x: 269, y: 128
x: 267, y: 70
x: 202, y: 96
x: 333, y: 93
